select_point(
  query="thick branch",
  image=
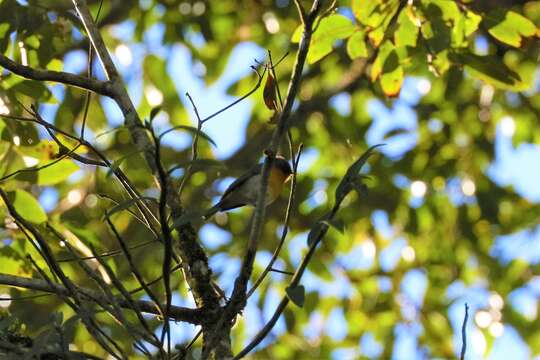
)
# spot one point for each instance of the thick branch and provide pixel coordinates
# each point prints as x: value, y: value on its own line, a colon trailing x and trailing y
x: 100, y: 87
x: 177, y: 313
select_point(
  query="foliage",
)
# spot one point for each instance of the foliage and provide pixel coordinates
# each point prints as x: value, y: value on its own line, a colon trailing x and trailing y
x: 435, y: 80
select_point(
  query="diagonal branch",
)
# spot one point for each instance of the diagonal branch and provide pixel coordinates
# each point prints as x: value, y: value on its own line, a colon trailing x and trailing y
x: 100, y: 87
x: 238, y: 297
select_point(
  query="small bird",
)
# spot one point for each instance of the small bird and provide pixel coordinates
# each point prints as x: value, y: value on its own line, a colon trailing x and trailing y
x: 244, y: 190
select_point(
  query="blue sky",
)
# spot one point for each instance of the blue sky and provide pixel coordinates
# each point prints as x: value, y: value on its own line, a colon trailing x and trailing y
x: 517, y: 167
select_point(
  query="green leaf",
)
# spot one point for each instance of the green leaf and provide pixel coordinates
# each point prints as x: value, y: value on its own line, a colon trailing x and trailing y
x: 392, y: 75
x: 115, y: 165
x: 490, y: 69
x: 296, y: 294
x: 509, y: 27
x: 407, y: 32
x: 374, y: 13
x: 69, y: 328
x: 351, y: 176
x: 191, y: 129
x: 27, y: 206
x: 329, y: 29
x: 356, y: 45
x: 35, y: 90
x: 127, y: 203
x: 376, y: 69
x: 56, y: 173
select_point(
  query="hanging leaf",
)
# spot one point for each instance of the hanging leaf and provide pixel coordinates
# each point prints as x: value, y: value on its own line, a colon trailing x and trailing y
x: 352, y: 176
x: 296, y: 294
x: 377, y: 67
x: 316, y: 231
x: 269, y: 93
x: 392, y: 75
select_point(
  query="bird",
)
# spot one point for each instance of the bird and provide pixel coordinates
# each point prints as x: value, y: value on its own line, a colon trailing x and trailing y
x: 245, y: 190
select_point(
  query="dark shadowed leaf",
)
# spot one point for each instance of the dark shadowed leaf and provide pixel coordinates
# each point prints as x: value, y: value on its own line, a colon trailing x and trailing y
x: 296, y: 294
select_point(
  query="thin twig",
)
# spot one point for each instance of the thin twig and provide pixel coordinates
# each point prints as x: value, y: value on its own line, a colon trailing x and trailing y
x: 257, y: 85
x: 194, y: 146
x: 167, y: 237
x: 464, y: 333
x: 89, y: 74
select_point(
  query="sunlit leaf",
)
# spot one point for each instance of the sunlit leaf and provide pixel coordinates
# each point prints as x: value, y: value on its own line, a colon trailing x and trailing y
x: 392, y: 75
x: 56, y: 173
x: 330, y: 29
x: 509, y: 26
x: 407, y: 32
x: 356, y: 45
x: 491, y: 70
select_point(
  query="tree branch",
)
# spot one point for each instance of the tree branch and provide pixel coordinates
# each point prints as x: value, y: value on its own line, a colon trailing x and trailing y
x: 177, y: 313
x: 191, y: 253
x: 99, y: 87
x: 350, y: 181
x: 238, y: 297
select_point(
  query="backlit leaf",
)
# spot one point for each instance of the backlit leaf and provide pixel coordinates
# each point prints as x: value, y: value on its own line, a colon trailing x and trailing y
x: 27, y: 206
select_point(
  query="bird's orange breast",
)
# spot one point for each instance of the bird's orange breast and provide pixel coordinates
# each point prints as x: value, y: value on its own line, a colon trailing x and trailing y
x: 275, y: 183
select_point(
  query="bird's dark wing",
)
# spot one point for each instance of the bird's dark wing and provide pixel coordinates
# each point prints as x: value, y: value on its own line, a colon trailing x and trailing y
x: 242, y: 179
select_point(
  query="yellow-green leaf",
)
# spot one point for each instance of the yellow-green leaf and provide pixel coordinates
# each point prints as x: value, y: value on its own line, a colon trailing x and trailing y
x: 56, y: 173
x: 509, y: 27
x: 407, y: 32
x: 377, y: 66
x: 491, y: 70
x: 27, y: 206
x: 392, y: 76
x: 329, y: 29
x: 356, y: 45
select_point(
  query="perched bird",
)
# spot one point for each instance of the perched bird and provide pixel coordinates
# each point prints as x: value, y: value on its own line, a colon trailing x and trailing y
x: 244, y: 190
